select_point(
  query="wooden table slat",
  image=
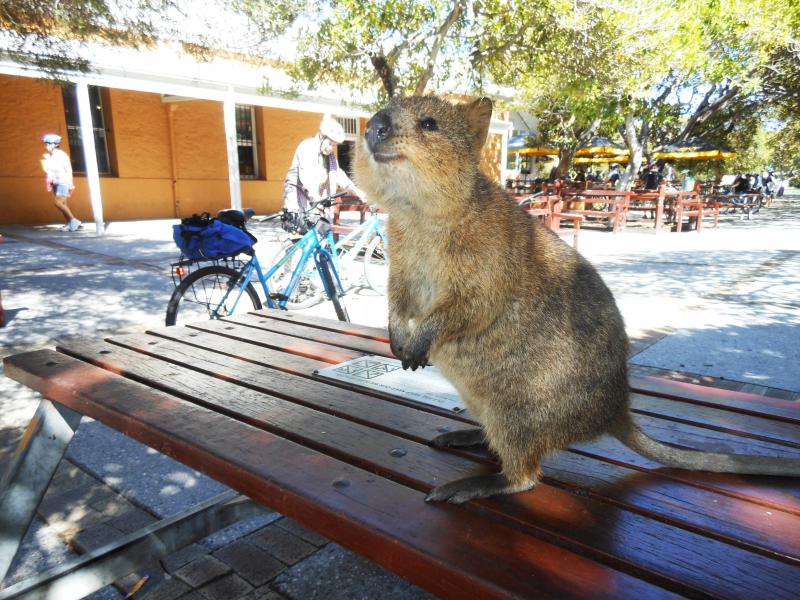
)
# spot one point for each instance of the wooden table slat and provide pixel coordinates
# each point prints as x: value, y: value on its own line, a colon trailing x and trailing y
x: 363, y: 448
x: 745, y: 403
x: 365, y: 331
x: 783, y: 494
x: 750, y: 426
x: 421, y: 427
x: 351, y: 342
x: 292, y: 345
x: 383, y: 520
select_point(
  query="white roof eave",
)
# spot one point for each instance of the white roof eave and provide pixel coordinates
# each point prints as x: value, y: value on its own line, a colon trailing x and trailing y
x: 165, y: 69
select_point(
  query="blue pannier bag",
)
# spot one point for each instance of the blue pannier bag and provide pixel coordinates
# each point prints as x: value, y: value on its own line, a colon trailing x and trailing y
x: 201, y: 236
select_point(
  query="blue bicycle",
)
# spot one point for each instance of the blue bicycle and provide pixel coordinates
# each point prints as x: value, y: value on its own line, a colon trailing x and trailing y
x: 225, y: 287
x: 360, y: 256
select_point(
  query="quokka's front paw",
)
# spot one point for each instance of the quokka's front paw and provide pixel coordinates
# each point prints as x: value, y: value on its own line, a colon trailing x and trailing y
x: 396, y: 342
x: 415, y: 353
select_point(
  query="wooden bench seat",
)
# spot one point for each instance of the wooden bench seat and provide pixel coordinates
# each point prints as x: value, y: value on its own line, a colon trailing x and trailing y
x: 585, y: 203
x: 647, y: 206
x: 745, y: 204
x: 694, y: 207
x: 350, y: 204
x: 355, y: 465
x: 548, y: 209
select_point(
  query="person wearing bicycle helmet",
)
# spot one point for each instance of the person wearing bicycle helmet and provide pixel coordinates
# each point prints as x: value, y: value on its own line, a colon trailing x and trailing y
x: 315, y: 173
x: 58, y: 178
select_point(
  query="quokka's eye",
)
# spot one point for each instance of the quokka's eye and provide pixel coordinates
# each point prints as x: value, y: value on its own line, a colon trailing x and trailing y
x: 429, y: 124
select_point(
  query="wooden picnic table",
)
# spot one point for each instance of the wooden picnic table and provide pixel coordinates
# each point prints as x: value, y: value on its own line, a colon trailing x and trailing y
x: 240, y: 401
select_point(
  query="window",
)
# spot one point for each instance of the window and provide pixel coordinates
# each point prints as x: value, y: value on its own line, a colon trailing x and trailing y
x: 350, y: 126
x: 69, y: 93
x: 246, y: 141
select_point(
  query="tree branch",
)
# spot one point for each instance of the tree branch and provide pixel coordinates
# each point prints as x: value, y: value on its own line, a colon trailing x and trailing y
x: 707, y: 109
x: 441, y: 33
x: 385, y: 73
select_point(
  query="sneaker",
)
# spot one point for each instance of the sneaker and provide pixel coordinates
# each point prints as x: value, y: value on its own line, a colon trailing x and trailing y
x: 65, y: 227
x: 74, y: 225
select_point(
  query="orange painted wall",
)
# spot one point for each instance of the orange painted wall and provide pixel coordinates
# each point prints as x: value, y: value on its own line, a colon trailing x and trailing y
x: 169, y: 157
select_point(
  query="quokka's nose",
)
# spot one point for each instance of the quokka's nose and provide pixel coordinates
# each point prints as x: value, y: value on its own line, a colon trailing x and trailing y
x: 379, y: 129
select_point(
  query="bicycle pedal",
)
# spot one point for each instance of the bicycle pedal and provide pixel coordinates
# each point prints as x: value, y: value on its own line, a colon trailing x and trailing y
x: 278, y: 297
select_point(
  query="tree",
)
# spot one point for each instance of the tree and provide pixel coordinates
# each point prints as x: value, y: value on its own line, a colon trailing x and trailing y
x: 53, y: 35
x: 402, y: 46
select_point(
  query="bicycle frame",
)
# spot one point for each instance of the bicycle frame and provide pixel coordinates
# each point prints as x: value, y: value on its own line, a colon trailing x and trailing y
x: 363, y: 232
x: 310, y: 244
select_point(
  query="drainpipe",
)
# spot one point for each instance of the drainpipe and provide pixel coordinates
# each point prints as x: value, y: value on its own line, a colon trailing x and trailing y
x: 90, y: 155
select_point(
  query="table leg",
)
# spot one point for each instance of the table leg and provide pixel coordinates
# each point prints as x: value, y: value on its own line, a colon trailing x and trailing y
x: 27, y: 477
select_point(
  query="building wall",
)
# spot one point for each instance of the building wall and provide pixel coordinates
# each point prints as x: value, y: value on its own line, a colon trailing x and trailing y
x: 490, y: 156
x: 168, y: 158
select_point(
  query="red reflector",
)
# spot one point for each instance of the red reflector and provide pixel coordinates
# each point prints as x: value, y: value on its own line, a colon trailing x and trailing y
x: 180, y: 271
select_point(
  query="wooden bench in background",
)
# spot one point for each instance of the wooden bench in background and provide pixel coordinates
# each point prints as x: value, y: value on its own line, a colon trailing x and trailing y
x: 585, y: 203
x: 355, y: 466
x: 350, y: 204
x: 548, y: 209
x: 646, y: 206
x: 745, y: 204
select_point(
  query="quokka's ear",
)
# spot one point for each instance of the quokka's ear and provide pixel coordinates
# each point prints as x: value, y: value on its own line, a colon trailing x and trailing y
x: 479, y: 115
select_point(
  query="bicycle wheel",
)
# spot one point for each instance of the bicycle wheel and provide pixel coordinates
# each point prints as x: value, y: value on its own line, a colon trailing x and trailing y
x: 308, y: 291
x: 330, y: 283
x: 197, y: 296
x: 376, y: 266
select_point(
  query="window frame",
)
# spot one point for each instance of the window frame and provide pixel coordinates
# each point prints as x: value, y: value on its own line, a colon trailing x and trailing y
x: 101, y: 131
x: 253, y: 143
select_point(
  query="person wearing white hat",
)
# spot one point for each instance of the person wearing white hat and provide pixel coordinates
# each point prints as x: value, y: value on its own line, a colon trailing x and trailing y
x: 58, y: 178
x: 315, y: 173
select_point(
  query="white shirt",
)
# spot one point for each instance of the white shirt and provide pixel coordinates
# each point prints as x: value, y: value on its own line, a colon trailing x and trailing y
x: 57, y: 166
x: 312, y: 176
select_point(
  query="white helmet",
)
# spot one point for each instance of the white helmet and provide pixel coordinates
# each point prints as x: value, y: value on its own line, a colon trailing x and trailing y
x: 331, y: 128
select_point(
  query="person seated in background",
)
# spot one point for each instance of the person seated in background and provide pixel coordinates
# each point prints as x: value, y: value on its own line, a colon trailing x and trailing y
x: 652, y: 178
x: 613, y: 175
x: 741, y: 185
x: 687, y: 181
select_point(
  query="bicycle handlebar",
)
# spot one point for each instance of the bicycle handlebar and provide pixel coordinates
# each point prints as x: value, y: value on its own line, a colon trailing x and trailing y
x: 325, y: 202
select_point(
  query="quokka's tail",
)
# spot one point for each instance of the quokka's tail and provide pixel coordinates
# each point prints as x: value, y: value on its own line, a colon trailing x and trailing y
x: 627, y: 432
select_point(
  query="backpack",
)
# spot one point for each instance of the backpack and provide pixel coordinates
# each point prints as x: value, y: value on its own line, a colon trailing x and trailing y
x: 203, y: 237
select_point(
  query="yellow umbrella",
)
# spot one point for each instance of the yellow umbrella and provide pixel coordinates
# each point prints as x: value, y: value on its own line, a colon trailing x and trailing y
x: 590, y: 160
x: 693, y: 148
x: 602, y: 147
x: 524, y: 145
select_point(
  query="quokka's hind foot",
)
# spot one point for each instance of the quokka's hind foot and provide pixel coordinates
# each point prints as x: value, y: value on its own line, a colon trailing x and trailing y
x: 480, y: 486
x: 461, y: 438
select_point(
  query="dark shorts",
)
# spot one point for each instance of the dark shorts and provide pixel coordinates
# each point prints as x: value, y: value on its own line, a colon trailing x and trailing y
x: 61, y: 189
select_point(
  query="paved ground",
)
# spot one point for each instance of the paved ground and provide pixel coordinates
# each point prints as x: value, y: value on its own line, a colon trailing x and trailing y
x: 719, y: 308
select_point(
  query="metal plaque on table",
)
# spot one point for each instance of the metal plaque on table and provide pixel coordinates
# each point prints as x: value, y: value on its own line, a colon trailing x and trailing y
x: 377, y: 373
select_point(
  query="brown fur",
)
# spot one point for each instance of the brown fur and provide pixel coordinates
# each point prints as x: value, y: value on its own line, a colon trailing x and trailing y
x: 520, y: 323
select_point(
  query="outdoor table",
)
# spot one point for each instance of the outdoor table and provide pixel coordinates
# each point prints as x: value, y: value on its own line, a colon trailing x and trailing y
x: 242, y: 401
